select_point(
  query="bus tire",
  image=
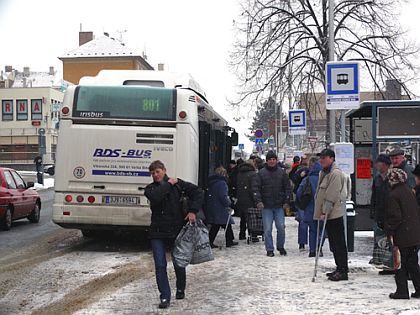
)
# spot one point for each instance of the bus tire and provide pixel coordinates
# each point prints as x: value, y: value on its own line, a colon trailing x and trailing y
x: 89, y: 233
x: 6, y: 223
x: 35, y: 214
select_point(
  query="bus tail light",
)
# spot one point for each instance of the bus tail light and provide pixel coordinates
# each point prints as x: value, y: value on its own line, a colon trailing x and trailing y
x: 79, y: 198
x: 66, y: 212
x: 68, y: 198
x: 182, y: 115
x: 65, y: 110
x: 91, y: 199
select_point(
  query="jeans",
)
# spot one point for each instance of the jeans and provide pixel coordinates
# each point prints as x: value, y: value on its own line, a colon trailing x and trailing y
x: 336, y: 238
x: 409, y: 266
x: 313, y: 227
x: 215, y: 229
x: 277, y: 215
x: 302, y: 229
x: 159, y: 256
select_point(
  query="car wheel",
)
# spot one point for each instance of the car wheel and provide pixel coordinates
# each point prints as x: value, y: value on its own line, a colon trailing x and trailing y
x: 7, y: 220
x: 35, y: 214
x: 89, y: 233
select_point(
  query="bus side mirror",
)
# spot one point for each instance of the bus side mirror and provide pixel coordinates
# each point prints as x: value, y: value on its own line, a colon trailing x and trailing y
x: 234, y: 137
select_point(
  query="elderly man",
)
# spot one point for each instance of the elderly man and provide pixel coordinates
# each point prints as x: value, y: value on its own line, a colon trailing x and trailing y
x: 398, y: 161
x: 330, y: 195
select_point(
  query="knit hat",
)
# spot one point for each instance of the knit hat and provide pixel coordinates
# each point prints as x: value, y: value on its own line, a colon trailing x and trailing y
x: 271, y: 155
x: 417, y: 170
x: 396, y: 176
x: 296, y: 159
x: 384, y: 158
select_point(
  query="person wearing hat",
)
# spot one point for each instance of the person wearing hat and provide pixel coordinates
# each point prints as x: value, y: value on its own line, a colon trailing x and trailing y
x: 416, y: 174
x: 402, y: 223
x: 271, y: 190
x: 398, y: 160
x: 330, y: 198
x: 378, y: 203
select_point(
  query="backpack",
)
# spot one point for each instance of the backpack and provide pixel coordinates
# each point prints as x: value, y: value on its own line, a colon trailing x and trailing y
x: 306, y: 196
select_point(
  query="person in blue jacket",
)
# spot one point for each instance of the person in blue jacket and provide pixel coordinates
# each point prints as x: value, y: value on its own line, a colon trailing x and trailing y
x: 217, y: 207
x: 314, y: 169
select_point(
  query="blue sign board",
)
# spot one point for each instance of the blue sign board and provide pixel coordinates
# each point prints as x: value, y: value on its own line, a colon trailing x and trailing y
x: 241, y: 146
x: 343, y: 91
x: 297, y: 122
x: 259, y: 141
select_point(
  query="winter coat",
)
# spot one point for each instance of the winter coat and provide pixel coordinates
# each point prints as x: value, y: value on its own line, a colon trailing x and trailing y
x: 417, y: 192
x: 165, y: 203
x: 271, y: 186
x: 379, y: 199
x: 244, y: 187
x: 313, y: 177
x: 217, y: 201
x: 331, y: 190
x: 403, y: 216
x: 232, y: 181
x: 297, y: 177
x: 408, y: 169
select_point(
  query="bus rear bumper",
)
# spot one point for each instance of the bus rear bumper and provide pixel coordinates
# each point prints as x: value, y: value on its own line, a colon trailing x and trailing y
x: 100, y: 217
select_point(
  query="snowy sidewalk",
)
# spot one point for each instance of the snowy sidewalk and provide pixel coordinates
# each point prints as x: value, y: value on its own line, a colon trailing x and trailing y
x: 242, y: 280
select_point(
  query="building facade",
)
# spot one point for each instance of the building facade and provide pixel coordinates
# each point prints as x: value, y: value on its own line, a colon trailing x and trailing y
x: 95, y: 54
x: 31, y: 103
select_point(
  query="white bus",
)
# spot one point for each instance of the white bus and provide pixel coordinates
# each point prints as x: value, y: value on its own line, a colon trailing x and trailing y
x: 112, y: 127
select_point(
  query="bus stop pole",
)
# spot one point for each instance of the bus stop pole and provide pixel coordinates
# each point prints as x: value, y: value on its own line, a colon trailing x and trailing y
x: 331, y: 58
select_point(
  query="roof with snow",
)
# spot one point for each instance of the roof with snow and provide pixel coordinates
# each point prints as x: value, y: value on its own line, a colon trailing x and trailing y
x: 40, y: 79
x: 103, y: 47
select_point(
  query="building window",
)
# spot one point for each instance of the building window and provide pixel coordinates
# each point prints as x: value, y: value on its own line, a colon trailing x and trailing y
x: 36, y: 109
x: 7, y: 110
x: 22, y: 109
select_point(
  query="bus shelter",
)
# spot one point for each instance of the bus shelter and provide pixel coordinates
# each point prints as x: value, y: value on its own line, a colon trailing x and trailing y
x: 379, y: 127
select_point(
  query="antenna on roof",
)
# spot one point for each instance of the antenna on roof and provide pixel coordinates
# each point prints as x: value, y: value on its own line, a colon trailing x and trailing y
x: 144, y: 52
x: 81, y: 27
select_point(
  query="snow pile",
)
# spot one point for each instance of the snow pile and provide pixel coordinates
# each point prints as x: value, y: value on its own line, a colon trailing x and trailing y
x: 48, y: 183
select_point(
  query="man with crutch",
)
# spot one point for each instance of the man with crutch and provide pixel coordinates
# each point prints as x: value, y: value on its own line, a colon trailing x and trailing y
x: 330, y: 196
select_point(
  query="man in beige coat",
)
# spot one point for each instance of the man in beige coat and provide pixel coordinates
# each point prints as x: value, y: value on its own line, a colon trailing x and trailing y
x: 330, y: 197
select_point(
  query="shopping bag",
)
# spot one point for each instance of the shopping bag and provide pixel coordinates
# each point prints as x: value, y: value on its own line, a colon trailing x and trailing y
x: 202, y: 249
x: 184, y: 246
x: 382, y: 253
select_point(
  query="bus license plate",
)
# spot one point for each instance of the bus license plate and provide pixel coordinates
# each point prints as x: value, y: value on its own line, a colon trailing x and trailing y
x: 121, y: 200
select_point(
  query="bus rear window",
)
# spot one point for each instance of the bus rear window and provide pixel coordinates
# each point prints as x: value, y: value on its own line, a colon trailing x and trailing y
x: 124, y: 102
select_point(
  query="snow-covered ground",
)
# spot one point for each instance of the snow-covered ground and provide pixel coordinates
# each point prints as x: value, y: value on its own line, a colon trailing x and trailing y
x: 48, y: 183
x: 241, y: 280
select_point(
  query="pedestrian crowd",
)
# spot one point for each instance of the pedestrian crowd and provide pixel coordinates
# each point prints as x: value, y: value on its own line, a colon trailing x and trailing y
x: 262, y: 193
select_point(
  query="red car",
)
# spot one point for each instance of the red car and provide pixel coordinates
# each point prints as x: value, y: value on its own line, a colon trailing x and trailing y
x: 17, y: 200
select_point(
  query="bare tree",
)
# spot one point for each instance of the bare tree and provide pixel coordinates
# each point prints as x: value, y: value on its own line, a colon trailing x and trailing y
x: 283, y: 45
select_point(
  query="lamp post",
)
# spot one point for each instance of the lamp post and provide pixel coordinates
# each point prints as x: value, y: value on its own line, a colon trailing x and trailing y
x: 331, y: 57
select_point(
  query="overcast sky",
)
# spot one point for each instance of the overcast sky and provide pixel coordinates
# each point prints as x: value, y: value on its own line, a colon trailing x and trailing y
x: 191, y: 36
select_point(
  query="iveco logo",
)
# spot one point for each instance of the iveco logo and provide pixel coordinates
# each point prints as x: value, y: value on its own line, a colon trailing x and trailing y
x: 167, y: 149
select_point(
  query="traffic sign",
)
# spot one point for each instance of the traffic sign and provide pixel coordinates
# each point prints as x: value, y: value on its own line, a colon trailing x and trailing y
x: 259, y: 141
x: 343, y: 89
x: 297, y: 122
x: 259, y: 133
x: 241, y: 146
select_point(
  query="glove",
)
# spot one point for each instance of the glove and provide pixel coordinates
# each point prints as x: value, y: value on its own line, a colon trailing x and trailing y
x: 328, y: 206
x: 260, y: 205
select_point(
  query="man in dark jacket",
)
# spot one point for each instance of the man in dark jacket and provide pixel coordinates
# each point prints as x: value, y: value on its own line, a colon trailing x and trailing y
x: 416, y: 174
x: 244, y: 193
x: 271, y: 188
x: 168, y: 218
x: 399, y: 161
x: 402, y: 222
x: 378, y: 203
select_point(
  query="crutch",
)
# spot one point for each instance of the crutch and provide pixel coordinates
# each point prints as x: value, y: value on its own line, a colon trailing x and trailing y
x: 230, y: 212
x: 318, y: 242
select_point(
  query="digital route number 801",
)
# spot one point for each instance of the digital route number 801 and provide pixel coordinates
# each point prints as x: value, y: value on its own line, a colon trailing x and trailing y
x: 151, y: 105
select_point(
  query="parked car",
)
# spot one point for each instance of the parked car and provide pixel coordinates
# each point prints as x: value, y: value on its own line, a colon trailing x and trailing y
x: 17, y: 199
x: 49, y: 169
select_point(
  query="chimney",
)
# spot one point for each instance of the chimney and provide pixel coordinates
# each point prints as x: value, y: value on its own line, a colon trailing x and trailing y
x: 26, y: 71
x: 24, y: 82
x: 161, y: 67
x: 85, y: 37
x: 393, y: 90
x: 51, y: 72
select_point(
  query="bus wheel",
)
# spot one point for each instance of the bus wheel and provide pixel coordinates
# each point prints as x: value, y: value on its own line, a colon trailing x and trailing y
x: 89, y: 233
